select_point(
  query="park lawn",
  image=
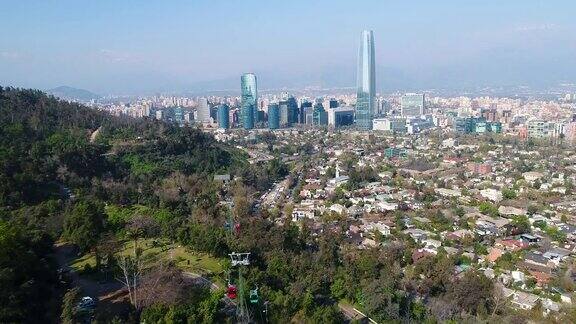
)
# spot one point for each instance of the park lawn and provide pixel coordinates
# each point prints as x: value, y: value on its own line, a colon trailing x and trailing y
x: 79, y: 263
x: 185, y: 259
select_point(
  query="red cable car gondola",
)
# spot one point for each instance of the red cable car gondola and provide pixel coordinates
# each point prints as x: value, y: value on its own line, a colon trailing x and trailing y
x: 232, y: 292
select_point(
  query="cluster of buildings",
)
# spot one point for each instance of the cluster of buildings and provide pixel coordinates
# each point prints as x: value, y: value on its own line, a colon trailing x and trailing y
x: 507, y: 212
x: 410, y: 113
x: 400, y: 113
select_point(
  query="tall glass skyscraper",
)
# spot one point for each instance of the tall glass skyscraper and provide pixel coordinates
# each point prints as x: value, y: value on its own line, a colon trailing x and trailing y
x: 223, y: 116
x: 249, y: 106
x: 273, y: 116
x: 365, y: 96
x: 319, y: 114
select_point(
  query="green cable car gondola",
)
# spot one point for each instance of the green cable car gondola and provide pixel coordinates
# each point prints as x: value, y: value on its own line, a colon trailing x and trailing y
x: 254, y: 296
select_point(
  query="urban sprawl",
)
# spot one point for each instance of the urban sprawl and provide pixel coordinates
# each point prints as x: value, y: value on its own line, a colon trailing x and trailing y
x: 487, y: 179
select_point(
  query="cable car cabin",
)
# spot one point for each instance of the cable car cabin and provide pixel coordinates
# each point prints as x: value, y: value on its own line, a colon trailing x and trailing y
x: 237, y: 228
x: 240, y: 259
x: 227, y: 225
x: 254, y: 296
x: 232, y: 292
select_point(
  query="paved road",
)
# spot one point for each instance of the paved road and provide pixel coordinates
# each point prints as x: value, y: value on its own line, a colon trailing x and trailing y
x: 202, y: 280
x: 352, y: 314
x: 65, y: 253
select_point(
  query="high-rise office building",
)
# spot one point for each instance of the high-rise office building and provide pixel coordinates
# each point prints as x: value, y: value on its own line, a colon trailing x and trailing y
x: 273, y: 116
x: 288, y: 110
x: 333, y: 103
x: 319, y: 114
x: 366, y: 82
x: 292, y: 106
x: 214, y: 113
x: 341, y: 116
x: 283, y: 108
x: 383, y: 106
x: 412, y: 105
x: 223, y: 116
x: 261, y: 114
x: 203, y: 111
x: 304, y: 107
x: 490, y: 115
x: 249, y: 109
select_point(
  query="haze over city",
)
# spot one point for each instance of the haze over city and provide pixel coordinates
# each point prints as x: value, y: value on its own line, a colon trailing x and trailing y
x: 127, y: 47
x: 260, y: 162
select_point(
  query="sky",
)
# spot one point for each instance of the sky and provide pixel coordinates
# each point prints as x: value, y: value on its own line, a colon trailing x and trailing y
x: 138, y: 46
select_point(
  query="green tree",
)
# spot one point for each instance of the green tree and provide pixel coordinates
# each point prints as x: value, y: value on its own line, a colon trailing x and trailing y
x: 338, y: 289
x: 27, y: 279
x: 521, y: 223
x: 327, y: 314
x: 488, y: 209
x: 555, y: 234
x: 83, y: 224
x: 509, y: 193
x: 472, y: 291
x: 69, y: 302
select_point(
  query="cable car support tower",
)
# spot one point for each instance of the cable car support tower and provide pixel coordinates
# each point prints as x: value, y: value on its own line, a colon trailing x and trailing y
x: 242, y: 312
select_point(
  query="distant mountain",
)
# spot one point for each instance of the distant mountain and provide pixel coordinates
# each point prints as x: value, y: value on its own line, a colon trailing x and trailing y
x: 69, y: 93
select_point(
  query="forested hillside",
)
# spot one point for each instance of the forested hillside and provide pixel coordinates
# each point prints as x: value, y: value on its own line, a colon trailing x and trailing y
x: 45, y: 143
x: 56, y: 179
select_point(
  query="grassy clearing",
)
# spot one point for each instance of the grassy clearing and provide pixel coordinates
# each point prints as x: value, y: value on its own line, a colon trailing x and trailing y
x: 81, y: 262
x: 163, y: 250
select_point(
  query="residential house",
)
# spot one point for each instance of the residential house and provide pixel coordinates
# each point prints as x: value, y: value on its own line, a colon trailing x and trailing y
x: 302, y: 213
x: 520, y: 299
x: 491, y: 194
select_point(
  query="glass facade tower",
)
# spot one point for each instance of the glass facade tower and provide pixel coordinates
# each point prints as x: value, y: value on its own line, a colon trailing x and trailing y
x: 366, y: 82
x: 249, y: 106
x: 273, y: 116
x: 319, y: 114
x: 223, y: 116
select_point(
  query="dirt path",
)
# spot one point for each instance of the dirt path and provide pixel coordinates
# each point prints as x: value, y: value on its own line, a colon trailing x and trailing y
x: 95, y: 134
x: 112, y: 297
x: 201, y: 280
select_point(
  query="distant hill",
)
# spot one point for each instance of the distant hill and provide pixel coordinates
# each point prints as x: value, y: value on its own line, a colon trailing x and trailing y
x: 69, y: 93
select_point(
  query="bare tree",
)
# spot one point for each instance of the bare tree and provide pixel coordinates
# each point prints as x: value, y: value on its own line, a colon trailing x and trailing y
x: 442, y: 309
x: 131, y: 268
x: 162, y: 284
x: 499, y: 299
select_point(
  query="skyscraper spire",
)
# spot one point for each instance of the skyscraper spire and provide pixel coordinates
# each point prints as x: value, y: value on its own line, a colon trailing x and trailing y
x: 366, y: 82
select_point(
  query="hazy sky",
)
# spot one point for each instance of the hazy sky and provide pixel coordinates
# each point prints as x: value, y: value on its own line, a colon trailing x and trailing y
x: 115, y: 46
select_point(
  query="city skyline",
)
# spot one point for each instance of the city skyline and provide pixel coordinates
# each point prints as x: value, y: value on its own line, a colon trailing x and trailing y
x: 116, y: 48
x: 263, y: 162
